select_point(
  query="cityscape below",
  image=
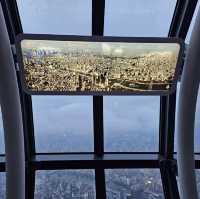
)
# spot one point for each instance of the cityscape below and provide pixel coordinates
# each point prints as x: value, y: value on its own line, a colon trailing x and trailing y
x: 80, y: 184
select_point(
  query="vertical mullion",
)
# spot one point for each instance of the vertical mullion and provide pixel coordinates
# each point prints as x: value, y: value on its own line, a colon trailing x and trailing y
x: 168, y: 176
x: 100, y: 183
x: 28, y: 125
x: 163, y: 123
x: 98, y: 7
x: 167, y: 125
x: 98, y: 125
x: 30, y: 183
x: 171, y: 125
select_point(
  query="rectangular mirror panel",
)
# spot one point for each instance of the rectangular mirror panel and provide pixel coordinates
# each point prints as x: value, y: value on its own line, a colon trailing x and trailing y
x: 99, y: 67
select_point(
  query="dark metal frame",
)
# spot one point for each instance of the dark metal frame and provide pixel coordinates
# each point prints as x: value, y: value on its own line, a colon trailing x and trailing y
x: 99, y: 160
x: 87, y: 39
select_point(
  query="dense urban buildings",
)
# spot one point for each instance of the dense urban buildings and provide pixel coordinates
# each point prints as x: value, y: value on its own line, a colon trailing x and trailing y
x: 109, y: 69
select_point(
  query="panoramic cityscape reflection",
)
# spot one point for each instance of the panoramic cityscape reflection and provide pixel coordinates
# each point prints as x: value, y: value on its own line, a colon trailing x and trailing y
x: 98, y: 66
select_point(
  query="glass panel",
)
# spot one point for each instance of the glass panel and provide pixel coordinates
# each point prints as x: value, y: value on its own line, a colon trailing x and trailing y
x: 139, y: 17
x: 187, y: 40
x: 2, y: 185
x: 2, y: 147
x: 68, y: 184
x: 99, y: 66
x: 197, y: 123
x: 63, y: 124
x: 56, y: 17
x: 131, y: 123
x: 134, y: 183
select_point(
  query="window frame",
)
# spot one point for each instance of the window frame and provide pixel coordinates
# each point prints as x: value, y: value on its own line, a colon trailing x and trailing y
x: 99, y: 160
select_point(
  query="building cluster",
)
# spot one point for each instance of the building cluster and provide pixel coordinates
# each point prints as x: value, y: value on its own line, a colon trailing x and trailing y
x: 122, y: 184
x: 134, y: 185
x: 65, y: 185
x: 92, y: 72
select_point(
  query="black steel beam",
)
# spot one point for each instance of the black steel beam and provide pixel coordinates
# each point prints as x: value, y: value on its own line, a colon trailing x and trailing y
x: 2, y: 163
x: 98, y: 7
x: 98, y: 10
x: 2, y: 167
x: 98, y: 125
x: 91, y: 161
x: 14, y: 14
x: 99, y: 182
x: 28, y: 125
x: 186, y: 18
x: 30, y: 182
x: 171, y: 125
x: 168, y: 177
x: 8, y: 20
x: 182, y: 18
x: 163, y: 126
x: 167, y: 125
x: 177, y: 17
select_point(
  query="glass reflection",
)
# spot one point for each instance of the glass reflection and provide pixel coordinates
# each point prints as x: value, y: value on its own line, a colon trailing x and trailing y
x: 99, y: 66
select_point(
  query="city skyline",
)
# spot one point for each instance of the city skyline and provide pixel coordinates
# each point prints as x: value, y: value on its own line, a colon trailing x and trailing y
x: 119, y: 49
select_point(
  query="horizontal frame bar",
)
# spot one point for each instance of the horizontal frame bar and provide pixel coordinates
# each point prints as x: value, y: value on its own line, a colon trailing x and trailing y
x: 92, y: 161
x: 87, y: 161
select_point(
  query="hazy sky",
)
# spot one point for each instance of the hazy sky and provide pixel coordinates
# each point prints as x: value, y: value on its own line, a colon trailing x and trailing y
x: 105, y: 48
x: 122, y: 18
